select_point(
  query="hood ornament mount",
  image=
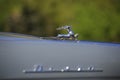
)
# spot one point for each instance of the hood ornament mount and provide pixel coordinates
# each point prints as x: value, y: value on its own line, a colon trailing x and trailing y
x: 69, y: 36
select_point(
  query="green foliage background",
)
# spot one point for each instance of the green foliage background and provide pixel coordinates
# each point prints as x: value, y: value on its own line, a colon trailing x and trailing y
x: 95, y: 20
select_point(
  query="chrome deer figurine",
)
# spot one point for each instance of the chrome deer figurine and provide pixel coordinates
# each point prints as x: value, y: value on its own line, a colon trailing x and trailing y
x: 69, y: 36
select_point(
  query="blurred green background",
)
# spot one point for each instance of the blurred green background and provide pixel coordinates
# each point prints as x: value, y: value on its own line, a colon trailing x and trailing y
x: 94, y: 20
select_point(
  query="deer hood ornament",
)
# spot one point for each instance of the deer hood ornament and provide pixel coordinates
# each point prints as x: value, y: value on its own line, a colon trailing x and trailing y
x: 69, y: 36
